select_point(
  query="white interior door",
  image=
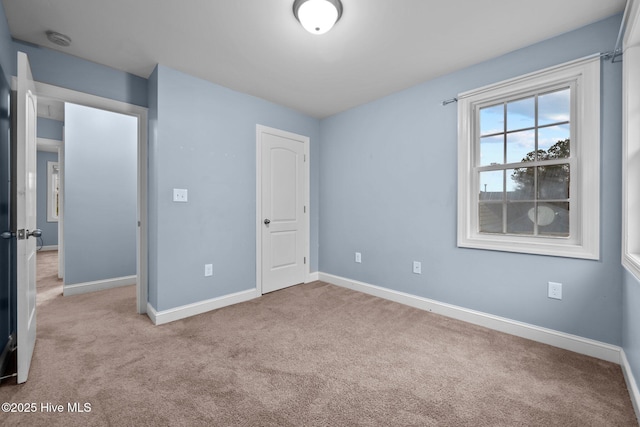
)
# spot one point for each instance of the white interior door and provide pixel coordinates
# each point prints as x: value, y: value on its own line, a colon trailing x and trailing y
x: 283, y: 222
x: 26, y: 116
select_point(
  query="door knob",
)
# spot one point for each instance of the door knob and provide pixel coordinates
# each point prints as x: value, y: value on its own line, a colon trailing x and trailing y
x: 8, y: 235
x: 267, y: 221
x: 35, y: 233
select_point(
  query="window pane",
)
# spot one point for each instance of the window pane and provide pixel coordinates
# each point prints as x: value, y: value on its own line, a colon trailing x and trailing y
x: 554, y: 141
x: 490, y: 217
x: 553, y: 219
x: 491, y: 185
x: 554, y: 107
x: 491, y: 150
x: 492, y: 119
x: 553, y: 182
x: 520, y: 183
x: 518, y: 221
x: 521, y: 146
x: 521, y: 114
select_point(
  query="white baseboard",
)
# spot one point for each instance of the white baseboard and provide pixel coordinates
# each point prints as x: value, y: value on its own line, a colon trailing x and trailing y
x: 98, y: 285
x: 562, y: 340
x: 48, y: 248
x: 182, y: 312
x: 152, y: 313
x: 632, y: 385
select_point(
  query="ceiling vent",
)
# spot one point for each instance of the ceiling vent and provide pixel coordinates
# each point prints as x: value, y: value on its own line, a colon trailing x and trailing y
x: 58, y: 38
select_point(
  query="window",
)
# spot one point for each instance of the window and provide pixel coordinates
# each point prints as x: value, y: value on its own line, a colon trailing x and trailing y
x: 53, y: 192
x: 528, y: 166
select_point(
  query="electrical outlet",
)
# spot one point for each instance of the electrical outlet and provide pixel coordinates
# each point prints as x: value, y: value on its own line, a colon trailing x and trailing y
x: 208, y: 270
x: 417, y: 267
x: 358, y: 257
x: 555, y: 290
x: 180, y: 195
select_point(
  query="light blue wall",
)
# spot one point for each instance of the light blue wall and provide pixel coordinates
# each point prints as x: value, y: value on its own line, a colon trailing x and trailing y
x: 388, y: 188
x: 59, y: 69
x: 49, y: 229
x: 50, y: 129
x: 203, y: 138
x: 631, y: 322
x: 100, y: 194
x: 8, y: 57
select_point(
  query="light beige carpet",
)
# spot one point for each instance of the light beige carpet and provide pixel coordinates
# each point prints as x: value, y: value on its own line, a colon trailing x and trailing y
x: 310, y: 355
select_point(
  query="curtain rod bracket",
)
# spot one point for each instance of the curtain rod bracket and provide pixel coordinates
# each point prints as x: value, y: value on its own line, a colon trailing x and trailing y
x: 449, y: 101
x: 612, y: 55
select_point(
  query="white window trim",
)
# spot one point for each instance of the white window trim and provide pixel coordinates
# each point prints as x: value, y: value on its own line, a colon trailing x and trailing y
x: 50, y: 194
x: 631, y: 143
x: 585, y: 222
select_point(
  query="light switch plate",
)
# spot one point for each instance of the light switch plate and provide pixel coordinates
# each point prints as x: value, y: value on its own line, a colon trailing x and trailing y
x: 180, y: 195
x: 417, y: 267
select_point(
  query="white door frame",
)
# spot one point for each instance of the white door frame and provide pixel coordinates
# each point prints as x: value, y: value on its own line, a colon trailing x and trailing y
x: 88, y: 100
x: 306, y: 188
x: 61, y: 210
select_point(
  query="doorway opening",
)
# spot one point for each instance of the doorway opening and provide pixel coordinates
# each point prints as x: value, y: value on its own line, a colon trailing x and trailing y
x: 54, y: 99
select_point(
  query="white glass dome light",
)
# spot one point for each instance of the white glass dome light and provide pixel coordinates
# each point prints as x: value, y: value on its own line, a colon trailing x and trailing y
x: 317, y: 16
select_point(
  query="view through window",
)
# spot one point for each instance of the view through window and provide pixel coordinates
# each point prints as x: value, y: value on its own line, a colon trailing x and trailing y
x: 524, y: 165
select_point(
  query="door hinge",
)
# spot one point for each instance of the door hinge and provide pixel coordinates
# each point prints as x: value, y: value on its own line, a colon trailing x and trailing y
x: 138, y: 223
x: 305, y: 157
x: 305, y: 260
x: 305, y: 209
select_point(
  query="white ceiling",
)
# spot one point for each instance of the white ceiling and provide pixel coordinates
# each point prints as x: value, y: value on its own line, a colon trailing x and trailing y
x: 257, y: 47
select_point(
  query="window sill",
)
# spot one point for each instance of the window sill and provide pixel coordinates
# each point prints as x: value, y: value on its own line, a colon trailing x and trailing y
x: 547, y: 247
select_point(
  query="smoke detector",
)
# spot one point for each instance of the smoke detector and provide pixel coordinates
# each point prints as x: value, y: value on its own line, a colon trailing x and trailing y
x: 58, y: 38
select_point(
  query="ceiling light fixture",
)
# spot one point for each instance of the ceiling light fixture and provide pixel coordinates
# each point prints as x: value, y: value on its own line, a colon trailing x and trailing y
x: 58, y: 38
x: 317, y: 16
